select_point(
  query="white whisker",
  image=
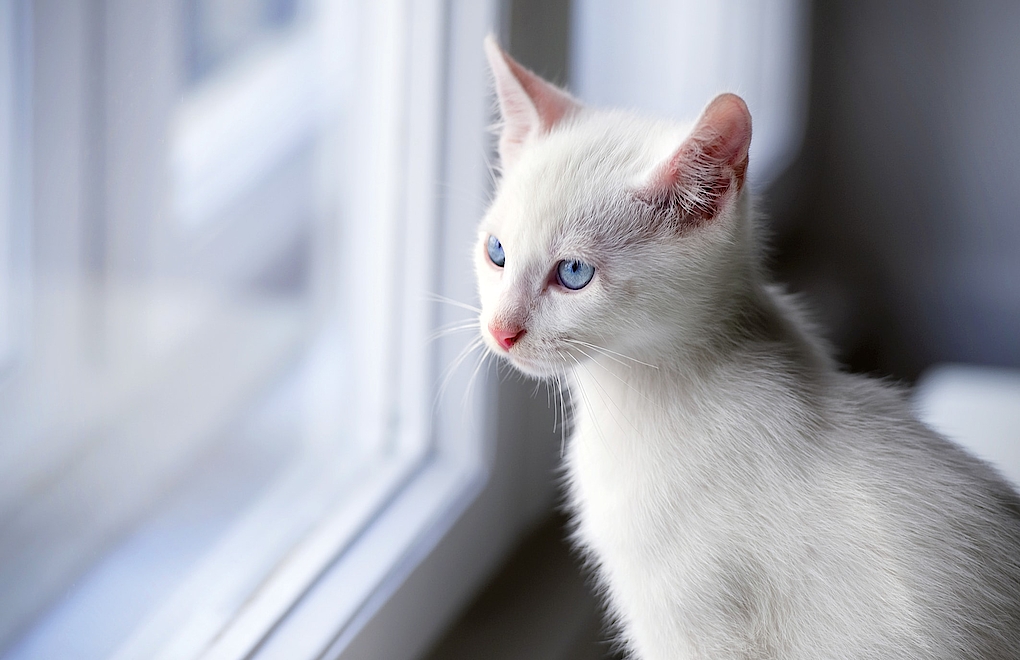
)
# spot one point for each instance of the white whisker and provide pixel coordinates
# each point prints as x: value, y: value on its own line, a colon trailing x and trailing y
x: 491, y: 169
x: 474, y: 374
x: 607, y: 400
x: 563, y: 415
x: 457, y: 326
x: 614, y: 375
x: 475, y: 344
x: 587, y: 402
x: 435, y: 297
x: 599, y: 351
x: 608, y: 353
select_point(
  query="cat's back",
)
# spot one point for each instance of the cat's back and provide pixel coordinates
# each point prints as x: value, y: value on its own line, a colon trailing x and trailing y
x: 947, y: 521
x: 858, y: 526
x: 925, y: 526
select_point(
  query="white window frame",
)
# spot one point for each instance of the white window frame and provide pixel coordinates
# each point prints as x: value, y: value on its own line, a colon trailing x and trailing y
x: 392, y: 592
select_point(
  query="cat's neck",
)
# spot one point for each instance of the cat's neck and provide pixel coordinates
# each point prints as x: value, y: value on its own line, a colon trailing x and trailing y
x: 762, y: 337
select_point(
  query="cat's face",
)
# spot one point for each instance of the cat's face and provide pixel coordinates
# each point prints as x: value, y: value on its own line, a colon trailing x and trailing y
x: 545, y: 278
x: 590, y: 247
x: 566, y: 257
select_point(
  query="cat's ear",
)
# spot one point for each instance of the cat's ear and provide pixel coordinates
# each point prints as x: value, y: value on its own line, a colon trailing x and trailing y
x: 528, y: 104
x: 696, y: 181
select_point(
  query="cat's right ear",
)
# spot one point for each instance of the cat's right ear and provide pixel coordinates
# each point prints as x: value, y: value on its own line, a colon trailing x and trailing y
x: 700, y: 178
x: 528, y: 104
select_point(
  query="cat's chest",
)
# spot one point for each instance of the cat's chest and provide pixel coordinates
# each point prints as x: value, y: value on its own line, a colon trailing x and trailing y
x: 644, y: 473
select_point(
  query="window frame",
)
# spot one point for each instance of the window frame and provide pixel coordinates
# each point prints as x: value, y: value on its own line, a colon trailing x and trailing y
x: 485, y: 482
x: 454, y: 467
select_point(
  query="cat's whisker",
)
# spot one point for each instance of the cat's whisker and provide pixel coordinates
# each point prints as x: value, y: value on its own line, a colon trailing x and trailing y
x: 614, y: 375
x: 435, y: 297
x: 449, y: 371
x: 452, y: 368
x: 474, y: 374
x: 550, y: 398
x: 553, y: 403
x: 565, y: 391
x: 563, y: 418
x: 587, y: 402
x: 605, y: 351
x: 601, y: 352
x: 506, y: 373
x: 457, y: 326
x: 489, y: 366
x: 490, y: 168
x: 594, y: 361
x: 607, y: 400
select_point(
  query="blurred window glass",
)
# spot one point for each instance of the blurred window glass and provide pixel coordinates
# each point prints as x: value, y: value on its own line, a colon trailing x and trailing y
x: 221, y: 387
x: 217, y: 31
x: 11, y: 211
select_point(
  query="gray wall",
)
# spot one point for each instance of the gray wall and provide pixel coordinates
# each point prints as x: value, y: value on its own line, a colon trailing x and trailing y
x: 901, y: 220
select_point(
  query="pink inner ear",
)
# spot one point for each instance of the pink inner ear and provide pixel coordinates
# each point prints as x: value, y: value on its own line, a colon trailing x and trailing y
x: 725, y: 130
x: 695, y: 180
x: 550, y: 103
x: 529, y: 105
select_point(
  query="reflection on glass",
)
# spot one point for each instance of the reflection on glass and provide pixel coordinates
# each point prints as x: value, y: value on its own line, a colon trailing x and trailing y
x: 182, y: 419
x: 217, y: 30
x: 8, y: 165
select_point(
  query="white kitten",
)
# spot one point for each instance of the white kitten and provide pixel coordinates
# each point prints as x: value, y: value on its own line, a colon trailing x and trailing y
x: 740, y: 496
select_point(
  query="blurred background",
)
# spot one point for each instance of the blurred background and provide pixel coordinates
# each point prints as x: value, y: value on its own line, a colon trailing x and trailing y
x: 892, y: 200
x: 182, y: 414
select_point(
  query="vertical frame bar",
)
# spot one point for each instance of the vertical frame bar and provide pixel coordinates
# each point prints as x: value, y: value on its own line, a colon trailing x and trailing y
x: 15, y: 180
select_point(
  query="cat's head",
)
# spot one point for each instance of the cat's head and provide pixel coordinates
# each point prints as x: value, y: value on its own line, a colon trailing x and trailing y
x: 607, y: 230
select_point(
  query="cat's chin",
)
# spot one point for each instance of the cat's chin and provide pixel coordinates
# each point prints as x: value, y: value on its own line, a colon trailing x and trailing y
x: 531, y: 367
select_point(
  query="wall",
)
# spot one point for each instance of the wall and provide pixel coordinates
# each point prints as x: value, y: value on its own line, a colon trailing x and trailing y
x: 903, y: 224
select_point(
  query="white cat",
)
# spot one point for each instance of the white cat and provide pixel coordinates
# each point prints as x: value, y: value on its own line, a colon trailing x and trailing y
x: 739, y: 495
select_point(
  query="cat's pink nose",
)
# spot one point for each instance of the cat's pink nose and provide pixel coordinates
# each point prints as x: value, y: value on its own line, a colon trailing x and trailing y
x: 506, y: 337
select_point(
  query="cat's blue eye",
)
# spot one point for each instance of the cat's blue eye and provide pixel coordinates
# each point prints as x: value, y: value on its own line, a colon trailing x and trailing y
x: 574, y: 274
x: 495, y: 249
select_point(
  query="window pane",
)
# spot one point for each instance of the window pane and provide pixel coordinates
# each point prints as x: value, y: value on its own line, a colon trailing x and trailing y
x: 12, y: 134
x: 217, y: 31
x: 201, y: 411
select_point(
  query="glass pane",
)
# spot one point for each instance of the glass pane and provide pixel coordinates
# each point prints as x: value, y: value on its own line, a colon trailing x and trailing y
x: 199, y: 397
x: 8, y: 167
x: 217, y: 31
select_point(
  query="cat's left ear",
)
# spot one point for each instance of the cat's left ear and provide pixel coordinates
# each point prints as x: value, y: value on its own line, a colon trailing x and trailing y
x: 529, y: 105
x: 696, y: 181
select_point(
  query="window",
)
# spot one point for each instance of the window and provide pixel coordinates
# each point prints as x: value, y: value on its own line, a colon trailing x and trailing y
x: 223, y: 438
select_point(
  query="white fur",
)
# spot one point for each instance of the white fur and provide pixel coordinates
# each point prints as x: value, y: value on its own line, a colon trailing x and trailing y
x: 739, y: 496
